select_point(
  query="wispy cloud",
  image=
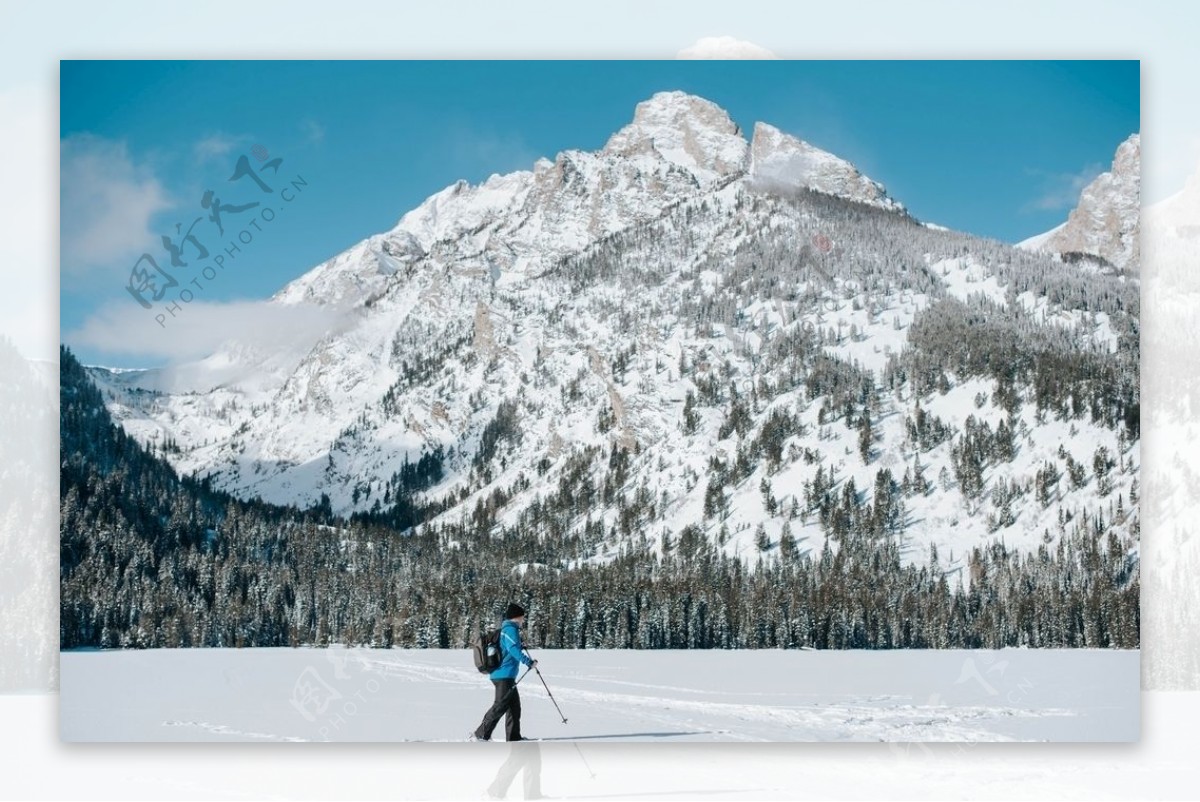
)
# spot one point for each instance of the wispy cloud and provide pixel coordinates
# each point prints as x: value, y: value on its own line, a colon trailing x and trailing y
x: 1060, y: 191
x: 107, y: 201
x: 490, y: 152
x: 124, y: 330
x: 314, y: 132
x: 214, y: 146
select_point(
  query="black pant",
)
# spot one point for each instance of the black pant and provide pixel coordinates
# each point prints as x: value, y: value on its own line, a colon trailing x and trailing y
x: 506, y: 703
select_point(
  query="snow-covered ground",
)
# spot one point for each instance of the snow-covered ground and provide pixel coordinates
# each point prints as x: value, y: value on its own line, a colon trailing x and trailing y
x: 341, y: 694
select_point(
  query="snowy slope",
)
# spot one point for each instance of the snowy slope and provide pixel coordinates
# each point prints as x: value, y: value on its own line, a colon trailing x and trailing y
x: 1043, y: 241
x: 594, y: 294
x: 778, y: 158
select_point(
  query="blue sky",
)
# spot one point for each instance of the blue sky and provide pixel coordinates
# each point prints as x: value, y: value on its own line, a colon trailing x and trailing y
x: 999, y: 149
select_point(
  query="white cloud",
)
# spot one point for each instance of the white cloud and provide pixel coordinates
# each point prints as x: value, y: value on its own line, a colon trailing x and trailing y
x: 1060, y: 191
x: 488, y: 152
x: 106, y: 204
x: 128, y: 333
x: 724, y: 47
x: 214, y: 146
x: 313, y: 131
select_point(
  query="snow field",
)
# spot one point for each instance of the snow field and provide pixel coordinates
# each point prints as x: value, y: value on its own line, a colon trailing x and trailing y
x: 339, y: 694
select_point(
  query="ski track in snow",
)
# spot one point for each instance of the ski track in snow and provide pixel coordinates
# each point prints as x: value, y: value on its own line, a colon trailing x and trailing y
x: 238, y: 735
x: 858, y: 721
x: 607, y: 695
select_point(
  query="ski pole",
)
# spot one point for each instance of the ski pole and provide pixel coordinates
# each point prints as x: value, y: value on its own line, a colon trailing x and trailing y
x: 547, y: 687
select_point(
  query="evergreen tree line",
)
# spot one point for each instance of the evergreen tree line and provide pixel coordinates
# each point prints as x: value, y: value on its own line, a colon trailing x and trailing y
x: 149, y: 559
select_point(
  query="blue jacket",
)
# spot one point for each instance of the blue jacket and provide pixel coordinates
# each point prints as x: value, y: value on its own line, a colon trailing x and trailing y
x: 510, y: 651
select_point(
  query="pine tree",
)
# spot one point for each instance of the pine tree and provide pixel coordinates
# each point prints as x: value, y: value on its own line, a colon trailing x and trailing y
x: 865, y: 437
x: 690, y: 418
x: 787, y: 541
x: 761, y: 539
x: 770, y: 503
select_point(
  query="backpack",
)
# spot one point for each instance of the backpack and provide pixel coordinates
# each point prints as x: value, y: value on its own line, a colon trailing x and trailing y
x: 486, y: 651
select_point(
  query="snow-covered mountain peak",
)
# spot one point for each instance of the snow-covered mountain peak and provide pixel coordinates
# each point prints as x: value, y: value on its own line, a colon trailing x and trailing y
x: 1107, y: 220
x: 1128, y: 161
x: 688, y: 131
x: 780, y: 158
x: 678, y: 146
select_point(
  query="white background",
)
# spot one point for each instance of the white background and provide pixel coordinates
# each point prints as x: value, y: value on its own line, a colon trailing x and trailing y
x: 35, y: 37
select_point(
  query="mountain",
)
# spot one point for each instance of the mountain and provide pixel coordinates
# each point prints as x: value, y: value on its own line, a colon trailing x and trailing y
x: 1107, y: 220
x: 684, y: 337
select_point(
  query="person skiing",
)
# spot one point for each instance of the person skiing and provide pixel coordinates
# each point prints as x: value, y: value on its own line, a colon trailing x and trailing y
x: 504, y: 678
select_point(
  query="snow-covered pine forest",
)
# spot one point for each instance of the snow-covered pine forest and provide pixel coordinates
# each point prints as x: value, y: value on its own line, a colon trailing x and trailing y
x: 686, y: 391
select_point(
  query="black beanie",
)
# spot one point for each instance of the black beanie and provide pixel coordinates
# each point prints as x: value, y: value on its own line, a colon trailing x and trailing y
x: 514, y: 611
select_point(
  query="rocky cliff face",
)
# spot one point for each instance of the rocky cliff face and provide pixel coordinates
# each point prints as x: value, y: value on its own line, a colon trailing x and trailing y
x: 1107, y: 220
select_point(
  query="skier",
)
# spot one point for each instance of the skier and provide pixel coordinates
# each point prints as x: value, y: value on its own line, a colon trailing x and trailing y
x: 508, y: 699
